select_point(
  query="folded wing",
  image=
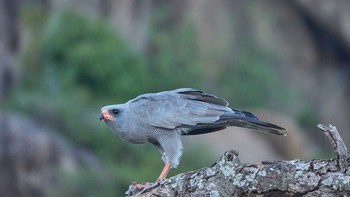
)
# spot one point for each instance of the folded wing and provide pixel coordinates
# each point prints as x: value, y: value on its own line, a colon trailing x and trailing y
x: 194, y: 112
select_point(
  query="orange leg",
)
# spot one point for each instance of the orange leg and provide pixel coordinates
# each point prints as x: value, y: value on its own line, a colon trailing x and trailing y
x: 165, y: 172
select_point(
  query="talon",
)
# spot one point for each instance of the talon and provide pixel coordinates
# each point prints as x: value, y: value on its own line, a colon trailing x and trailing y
x: 141, y: 186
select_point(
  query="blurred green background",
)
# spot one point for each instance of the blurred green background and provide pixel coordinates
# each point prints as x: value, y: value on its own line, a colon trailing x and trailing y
x: 61, y: 61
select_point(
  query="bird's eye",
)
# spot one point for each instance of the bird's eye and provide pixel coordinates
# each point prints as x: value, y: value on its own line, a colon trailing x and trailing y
x: 115, y: 111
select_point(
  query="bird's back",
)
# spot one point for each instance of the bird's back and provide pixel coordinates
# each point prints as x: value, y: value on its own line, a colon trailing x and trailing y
x: 192, y: 112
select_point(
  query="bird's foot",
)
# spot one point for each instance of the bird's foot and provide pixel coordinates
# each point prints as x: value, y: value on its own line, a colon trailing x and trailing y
x: 141, y: 186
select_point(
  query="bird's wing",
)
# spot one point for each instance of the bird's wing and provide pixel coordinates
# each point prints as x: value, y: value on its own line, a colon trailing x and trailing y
x: 194, y: 112
x: 181, y: 107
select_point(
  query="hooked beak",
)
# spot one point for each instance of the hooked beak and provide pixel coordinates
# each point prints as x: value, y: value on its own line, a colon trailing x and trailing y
x: 102, y: 117
x: 105, y: 115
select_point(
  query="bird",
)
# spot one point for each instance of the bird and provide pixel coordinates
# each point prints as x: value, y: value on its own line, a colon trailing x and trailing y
x: 162, y: 118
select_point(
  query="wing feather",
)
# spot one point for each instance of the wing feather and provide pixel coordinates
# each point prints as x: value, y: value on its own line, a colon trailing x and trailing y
x: 181, y: 107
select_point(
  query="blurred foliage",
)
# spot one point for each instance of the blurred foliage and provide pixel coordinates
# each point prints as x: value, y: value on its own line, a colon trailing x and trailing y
x: 34, y: 18
x: 74, y: 65
x: 88, y: 55
x: 172, y: 54
x: 81, y: 182
x: 252, y: 81
x: 307, y: 118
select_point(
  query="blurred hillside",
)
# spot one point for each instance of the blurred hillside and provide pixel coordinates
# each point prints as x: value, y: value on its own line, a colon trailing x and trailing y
x: 61, y: 61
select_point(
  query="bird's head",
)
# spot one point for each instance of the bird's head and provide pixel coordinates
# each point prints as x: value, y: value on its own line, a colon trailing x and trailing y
x: 109, y: 113
x: 112, y: 115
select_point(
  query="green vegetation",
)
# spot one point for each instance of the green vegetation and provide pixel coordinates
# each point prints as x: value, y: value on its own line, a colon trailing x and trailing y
x: 173, y: 58
x: 89, y: 56
x: 76, y: 65
x: 256, y: 80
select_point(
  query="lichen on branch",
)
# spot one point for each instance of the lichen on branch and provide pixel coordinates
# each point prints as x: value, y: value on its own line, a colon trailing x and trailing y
x: 229, y: 177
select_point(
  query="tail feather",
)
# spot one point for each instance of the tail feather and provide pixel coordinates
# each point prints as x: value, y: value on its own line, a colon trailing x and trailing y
x: 256, y: 125
x: 239, y: 119
x: 249, y: 120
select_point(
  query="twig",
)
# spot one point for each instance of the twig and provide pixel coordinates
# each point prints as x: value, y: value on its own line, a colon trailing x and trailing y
x: 338, y: 144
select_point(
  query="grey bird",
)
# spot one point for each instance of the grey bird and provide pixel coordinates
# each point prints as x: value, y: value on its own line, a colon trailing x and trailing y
x: 162, y: 118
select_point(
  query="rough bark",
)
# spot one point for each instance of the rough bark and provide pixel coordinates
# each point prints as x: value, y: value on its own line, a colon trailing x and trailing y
x: 229, y: 177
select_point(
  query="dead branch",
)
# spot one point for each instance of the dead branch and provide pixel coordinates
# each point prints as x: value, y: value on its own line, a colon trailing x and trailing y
x: 338, y: 145
x: 229, y: 177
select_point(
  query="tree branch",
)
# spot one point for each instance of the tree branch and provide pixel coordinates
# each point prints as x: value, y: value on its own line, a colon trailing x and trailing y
x: 229, y: 177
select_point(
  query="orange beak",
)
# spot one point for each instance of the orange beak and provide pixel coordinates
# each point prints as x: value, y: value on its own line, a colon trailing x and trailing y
x: 105, y: 115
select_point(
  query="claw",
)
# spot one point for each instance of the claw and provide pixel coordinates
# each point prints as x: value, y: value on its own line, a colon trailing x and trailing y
x: 141, y: 186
